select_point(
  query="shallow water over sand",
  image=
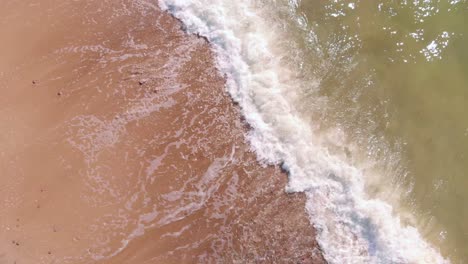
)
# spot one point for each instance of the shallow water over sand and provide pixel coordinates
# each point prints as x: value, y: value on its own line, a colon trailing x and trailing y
x: 395, y: 75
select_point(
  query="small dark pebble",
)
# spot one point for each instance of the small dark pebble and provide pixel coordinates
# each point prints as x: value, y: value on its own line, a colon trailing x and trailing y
x: 48, y: 252
x: 59, y: 93
x: 141, y: 82
x: 17, y: 243
x: 155, y: 91
x: 34, y: 82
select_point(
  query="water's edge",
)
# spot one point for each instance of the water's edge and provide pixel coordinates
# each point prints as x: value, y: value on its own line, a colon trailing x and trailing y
x: 352, y: 228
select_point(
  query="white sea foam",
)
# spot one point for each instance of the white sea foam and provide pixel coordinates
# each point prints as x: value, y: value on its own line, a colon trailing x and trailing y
x: 352, y: 228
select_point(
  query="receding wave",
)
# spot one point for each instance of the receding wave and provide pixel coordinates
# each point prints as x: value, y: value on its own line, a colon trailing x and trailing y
x: 250, y: 47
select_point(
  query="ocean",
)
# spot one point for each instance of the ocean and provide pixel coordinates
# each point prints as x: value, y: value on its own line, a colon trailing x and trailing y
x: 364, y: 104
x: 221, y: 131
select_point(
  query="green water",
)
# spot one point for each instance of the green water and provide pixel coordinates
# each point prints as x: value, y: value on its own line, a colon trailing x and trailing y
x: 396, y: 77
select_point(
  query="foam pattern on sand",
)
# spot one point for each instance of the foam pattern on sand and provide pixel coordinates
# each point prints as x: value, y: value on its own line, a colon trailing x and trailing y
x: 352, y: 228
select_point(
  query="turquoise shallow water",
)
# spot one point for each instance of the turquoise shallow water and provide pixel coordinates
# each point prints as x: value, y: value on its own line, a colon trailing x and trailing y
x: 397, y: 80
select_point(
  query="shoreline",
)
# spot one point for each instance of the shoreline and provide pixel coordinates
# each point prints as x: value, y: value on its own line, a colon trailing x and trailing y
x: 88, y: 178
x: 258, y: 62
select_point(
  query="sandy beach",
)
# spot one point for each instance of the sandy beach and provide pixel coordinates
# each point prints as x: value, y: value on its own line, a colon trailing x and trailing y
x: 119, y: 144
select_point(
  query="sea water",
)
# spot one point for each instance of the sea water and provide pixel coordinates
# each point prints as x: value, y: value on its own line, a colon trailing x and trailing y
x: 364, y: 104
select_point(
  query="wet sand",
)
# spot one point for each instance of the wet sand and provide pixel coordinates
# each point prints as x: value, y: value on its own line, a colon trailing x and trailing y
x: 119, y: 144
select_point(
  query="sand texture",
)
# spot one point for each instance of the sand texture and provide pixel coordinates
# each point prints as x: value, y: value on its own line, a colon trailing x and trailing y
x: 119, y: 144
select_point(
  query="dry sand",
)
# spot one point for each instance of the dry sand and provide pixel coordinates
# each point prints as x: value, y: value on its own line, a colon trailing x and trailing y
x: 119, y: 144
